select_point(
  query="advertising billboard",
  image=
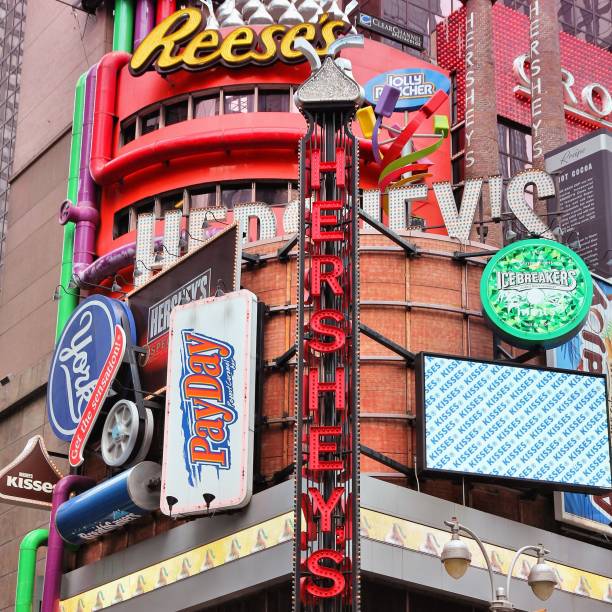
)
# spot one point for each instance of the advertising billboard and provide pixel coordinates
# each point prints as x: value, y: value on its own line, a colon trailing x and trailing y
x: 416, y: 86
x: 584, y: 169
x: 390, y: 30
x: 84, y: 364
x: 588, y: 351
x: 194, y: 277
x: 30, y: 478
x: 210, y: 405
x: 499, y: 421
x: 536, y: 293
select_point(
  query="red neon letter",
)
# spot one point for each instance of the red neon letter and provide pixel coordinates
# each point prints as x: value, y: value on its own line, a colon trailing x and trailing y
x: 315, y: 388
x: 317, y: 326
x: 317, y: 276
x: 325, y: 508
x: 317, y: 447
x: 318, y: 220
x: 315, y: 567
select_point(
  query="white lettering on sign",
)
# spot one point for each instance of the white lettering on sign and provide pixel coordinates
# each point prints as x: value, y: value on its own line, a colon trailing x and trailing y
x: 458, y: 222
x: 536, y: 79
x: 73, y: 360
x: 596, y: 99
x: 470, y: 90
x: 29, y: 484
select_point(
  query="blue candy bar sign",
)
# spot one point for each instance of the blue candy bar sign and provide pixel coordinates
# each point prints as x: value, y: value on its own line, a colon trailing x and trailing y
x: 416, y: 86
x: 79, y: 359
x: 501, y: 421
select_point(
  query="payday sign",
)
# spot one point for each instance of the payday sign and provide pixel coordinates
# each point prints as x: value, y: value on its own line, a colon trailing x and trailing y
x: 416, y: 86
x: 536, y: 293
x: 180, y: 41
x: 84, y: 364
x: 210, y: 404
x: 507, y: 421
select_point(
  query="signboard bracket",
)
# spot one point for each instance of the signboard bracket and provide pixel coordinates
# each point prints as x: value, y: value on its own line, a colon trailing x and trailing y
x: 410, y: 248
x: 408, y: 356
x: 283, y: 252
x: 406, y: 470
x: 463, y: 255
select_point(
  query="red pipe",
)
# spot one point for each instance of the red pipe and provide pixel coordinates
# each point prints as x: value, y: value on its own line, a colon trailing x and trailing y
x: 195, y: 144
x: 104, y: 113
x: 165, y: 8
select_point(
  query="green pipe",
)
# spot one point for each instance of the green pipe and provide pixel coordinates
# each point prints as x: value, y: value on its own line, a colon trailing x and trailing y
x: 67, y: 302
x: 123, y: 31
x: 26, y: 568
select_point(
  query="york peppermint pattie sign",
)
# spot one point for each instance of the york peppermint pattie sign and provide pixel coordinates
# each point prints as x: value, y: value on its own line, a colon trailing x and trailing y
x: 416, y: 86
x: 536, y: 293
x: 507, y: 421
x: 210, y: 405
x: 84, y: 365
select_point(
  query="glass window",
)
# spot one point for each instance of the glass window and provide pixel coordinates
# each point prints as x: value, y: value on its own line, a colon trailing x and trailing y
x: 233, y: 194
x: 122, y: 222
x: 238, y: 102
x: 172, y: 201
x: 273, y: 101
x: 177, y: 112
x: 272, y: 193
x: 203, y: 197
x: 149, y: 122
x: 206, y: 106
x: 128, y: 131
x: 148, y: 206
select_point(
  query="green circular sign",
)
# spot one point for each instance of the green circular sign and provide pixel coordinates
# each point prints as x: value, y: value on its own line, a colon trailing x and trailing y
x: 536, y: 293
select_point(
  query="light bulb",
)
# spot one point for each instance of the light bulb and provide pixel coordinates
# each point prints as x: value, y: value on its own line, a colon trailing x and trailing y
x: 455, y: 567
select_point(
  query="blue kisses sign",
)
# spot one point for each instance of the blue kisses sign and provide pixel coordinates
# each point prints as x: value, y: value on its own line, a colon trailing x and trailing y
x: 79, y: 359
x: 416, y: 86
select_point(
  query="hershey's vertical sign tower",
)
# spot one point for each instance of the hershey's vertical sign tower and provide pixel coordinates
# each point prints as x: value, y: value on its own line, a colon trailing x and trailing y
x: 326, y: 549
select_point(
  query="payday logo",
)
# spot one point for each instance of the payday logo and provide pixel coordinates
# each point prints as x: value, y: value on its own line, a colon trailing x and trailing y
x: 207, y: 402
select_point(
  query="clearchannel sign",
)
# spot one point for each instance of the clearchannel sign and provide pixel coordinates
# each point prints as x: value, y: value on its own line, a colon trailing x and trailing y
x: 416, y: 86
x: 536, y: 293
x: 94, y: 337
x: 391, y: 30
x: 507, y: 421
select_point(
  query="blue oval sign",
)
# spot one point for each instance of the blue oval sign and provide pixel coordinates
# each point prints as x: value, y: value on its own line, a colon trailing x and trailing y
x: 416, y: 86
x: 79, y: 359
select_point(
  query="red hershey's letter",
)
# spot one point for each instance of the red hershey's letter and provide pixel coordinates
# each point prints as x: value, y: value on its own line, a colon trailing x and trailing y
x: 325, y: 508
x: 316, y: 387
x: 317, y: 447
x: 317, y: 326
x: 330, y: 277
x: 314, y: 565
x: 318, y: 220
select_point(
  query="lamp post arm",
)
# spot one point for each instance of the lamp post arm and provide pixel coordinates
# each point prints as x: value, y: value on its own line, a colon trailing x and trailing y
x: 482, y: 549
x: 538, y: 549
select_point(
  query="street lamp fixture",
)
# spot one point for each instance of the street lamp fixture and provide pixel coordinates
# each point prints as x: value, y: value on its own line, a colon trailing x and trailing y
x: 456, y: 558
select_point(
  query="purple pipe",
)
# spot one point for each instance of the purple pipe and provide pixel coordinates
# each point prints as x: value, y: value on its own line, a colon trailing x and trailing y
x: 55, y: 547
x: 144, y: 20
x: 86, y: 212
x: 113, y: 261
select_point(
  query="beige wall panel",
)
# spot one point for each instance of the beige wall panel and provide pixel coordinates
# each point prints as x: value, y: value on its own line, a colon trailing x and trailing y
x: 60, y: 44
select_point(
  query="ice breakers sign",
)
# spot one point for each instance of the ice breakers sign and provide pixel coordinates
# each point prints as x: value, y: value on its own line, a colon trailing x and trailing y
x: 208, y: 444
x: 89, y: 339
x: 416, y: 86
x: 501, y: 421
x: 536, y: 293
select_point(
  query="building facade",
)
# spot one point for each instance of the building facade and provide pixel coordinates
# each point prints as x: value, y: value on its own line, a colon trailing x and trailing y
x: 159, y: 154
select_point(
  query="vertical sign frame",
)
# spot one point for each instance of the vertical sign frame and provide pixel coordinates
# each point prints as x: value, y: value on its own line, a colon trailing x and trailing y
x: 326, y: 545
